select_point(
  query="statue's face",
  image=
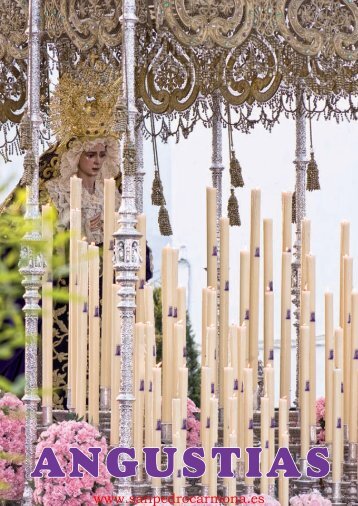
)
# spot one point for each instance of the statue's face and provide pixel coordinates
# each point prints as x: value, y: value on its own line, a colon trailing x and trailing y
x: 91, y: 162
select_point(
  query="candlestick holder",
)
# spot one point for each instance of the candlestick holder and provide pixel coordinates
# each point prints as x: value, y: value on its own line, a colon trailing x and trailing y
x: 260, y: 386
x: 272, y: 490
x: 167, y: 433
x: 204, y: 490
x: 304, y: 484
x: 156, y: 491
x: 345, y: 433
x: 221, y: 416
x: 105, y: 398
x: 249, y: 489
x: 69, y: 398
x: 313, y: 434
x: 140, y: 483
x: 337, y: 495
x: 240, y: 476
x: 47, y: 417
x: 350, y: 470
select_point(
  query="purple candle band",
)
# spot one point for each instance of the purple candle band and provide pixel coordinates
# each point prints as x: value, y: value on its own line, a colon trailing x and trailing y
x: 175, y: 312
x: 118, y: 350
x: 141, y: 386
x: 257, y: 253
x: 85, y: 308
x: 307, y: 387
x: 96, y: 312
x: 226, y: 286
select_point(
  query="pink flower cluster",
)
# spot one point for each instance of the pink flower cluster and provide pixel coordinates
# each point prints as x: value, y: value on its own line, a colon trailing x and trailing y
x: 312, y: 499
x: 320, y: 409
x: 192, y: 424
x: 71, y: 491
x: 320, y: 418
x: 12, y: 448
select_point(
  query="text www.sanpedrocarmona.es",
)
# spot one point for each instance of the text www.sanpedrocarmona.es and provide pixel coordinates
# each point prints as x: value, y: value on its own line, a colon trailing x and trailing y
x: 179, y: 499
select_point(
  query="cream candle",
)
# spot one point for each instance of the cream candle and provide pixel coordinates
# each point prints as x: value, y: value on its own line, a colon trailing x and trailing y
x: 224, y: 304
x: 329, y: 362
x: 244, y: 289
x: 305, y: 392
x: 107, y: 280
x: 286, y: 221
x: 285, y: 362
x: 81, y: 379
x: 347, y: 343
x: 268, y: 328
x: 311, y: 284
x: 254, y: 281
x: 344, y: 250
x: 211, y: 237
x: 353, y: 425
x: 337, y: 441
x: 248, y: 417
x: 115, y: 365
x: 94, y: 334
x: 265, y: 425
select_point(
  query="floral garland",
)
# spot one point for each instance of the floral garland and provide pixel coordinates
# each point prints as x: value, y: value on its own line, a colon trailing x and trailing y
x: 192, y: 424
x: 320, y: 419
x: 312, y: 499
x: 12, y: 448
x: 71, y: 491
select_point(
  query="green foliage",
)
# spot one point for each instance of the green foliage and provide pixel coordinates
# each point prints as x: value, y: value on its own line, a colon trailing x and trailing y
x: 192, y: 353
x: 192, y: 362
x: 14, y: 232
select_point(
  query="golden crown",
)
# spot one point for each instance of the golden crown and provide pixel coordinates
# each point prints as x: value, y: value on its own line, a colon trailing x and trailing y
x: 85, y: 109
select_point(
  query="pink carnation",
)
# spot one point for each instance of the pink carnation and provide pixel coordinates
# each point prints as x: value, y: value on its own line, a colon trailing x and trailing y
x: 12, y: 447
x: 312, y: 499
x: 192, y: 424
x: 71, y: 491
x: 320, y: 409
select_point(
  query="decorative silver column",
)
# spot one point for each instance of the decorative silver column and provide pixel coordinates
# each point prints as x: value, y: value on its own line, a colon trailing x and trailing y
x: 217, y: 170
x: 126, y: 249
x: 31, y: 263
x: 300, y: 188
x: 140, y: 164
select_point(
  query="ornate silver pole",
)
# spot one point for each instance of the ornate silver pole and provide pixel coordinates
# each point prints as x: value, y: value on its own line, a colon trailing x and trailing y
x: 301, y: 165
x: 140, y: 164
x: 126, y: 248
x: 31, y: 264
x: 217, y: 170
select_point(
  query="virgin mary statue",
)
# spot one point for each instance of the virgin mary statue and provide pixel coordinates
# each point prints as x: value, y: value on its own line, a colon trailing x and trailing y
x: 83, y: 118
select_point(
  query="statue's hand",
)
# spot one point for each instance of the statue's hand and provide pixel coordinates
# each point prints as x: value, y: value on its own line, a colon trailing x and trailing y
x: 95, y: 223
